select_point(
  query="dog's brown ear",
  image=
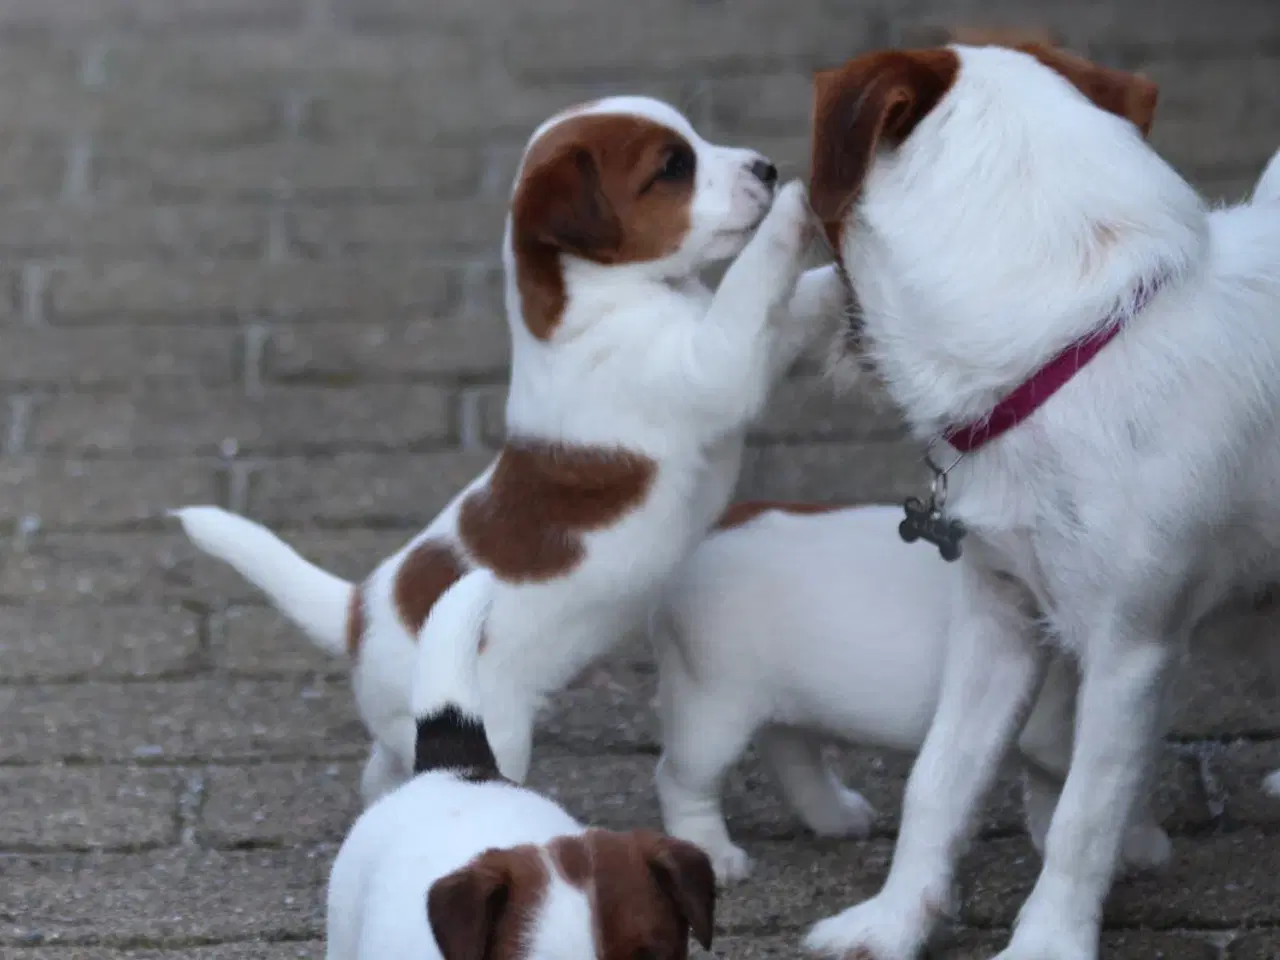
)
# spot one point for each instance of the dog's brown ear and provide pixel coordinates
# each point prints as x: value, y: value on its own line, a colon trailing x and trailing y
x: 466, y: 906
x: 560, y: 203
x: 1128, y: 95
x: 872, y: 101
x: 684, y: 874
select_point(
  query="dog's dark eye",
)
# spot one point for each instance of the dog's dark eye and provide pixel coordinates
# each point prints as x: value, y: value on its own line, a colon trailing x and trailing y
x: 678, y: 164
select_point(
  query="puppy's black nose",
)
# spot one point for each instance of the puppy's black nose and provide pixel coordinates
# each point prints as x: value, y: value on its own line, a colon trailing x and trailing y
x: 765, y: 172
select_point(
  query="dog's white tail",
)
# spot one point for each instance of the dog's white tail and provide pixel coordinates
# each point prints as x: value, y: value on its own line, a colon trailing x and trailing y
x: 312, y: 598
x: 445, y: 692
x: 1267, y: 189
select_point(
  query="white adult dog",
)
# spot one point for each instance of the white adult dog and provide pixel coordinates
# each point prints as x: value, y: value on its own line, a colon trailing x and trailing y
x: 460, y: 864
x: 632, y: 386
x: 802, y: 625
x: 1043, y: 291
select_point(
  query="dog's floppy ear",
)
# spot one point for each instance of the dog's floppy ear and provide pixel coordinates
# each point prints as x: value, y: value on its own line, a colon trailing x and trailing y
x: 465, y: 907
x: 560, y: 203
x: 1128, y: 95
x: 684, y: 874
x: 872, y: 101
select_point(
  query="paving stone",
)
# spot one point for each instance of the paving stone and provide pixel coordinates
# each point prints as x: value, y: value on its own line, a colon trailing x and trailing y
x: 174, y: 894
x: 1239, y: 770
x: 117, y: 356
x: 239, y: 290
x: 259, y: 642
x: 1259, y: 945
x: 1226, y: 696
x: 286, y: 804
x: 380, y: 490
x: 873, y: 472
x: 297, y: 950
x: 183, y: 721
x: 391, y: 348
x: 278, y: 420
x: 88, y: 494
x: 87, y: 808
x: 40, y: 643
x: 1214, y: 882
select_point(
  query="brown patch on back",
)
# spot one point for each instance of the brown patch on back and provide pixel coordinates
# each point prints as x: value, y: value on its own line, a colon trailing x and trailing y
x: 647, y: 891
x: 355, y: 621
x: 483, y: 910
x: 874, y: 100
x: 428, y: 570
x: 588, y: 189
x: 527, y: 522
x: 743, y: 512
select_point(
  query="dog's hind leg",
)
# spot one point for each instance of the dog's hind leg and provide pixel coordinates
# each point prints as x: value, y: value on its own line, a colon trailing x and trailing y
x: 819, y: 798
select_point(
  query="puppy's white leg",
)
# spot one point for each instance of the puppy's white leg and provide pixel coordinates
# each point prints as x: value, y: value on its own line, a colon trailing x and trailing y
x: 827, y: 806
x: 509, y: 716
x: 1271, y: 784
x: 703, y: 734
x: 1119, y: 723
x: 819, y: 301
x: 728, y: 359
x: 382, y: 773
x: 992, y: 668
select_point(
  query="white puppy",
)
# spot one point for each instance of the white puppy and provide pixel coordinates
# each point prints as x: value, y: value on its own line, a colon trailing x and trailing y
x: 460, y: 864
x: 1042, y: 293
x: 632, y: 386
x: 804, y: 624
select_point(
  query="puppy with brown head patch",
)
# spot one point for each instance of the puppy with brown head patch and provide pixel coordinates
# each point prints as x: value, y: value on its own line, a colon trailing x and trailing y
x: 461, y: 864
x: 1062, y: 317
x: 632, y: 386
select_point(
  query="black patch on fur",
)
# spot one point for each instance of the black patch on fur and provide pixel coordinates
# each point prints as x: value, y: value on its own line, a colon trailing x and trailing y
x: 451, y: 740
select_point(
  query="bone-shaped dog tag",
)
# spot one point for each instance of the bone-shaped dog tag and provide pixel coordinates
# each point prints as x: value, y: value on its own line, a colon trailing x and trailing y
x: 924, y: 521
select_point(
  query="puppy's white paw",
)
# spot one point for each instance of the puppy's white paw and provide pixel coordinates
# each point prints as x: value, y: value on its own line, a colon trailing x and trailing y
x: 1271, y: 785
x: 878, y: 929
x: 1048, y: 942
x: 788, y: 223
x: 1146, y: 848
x: 849, y: 816
x: 730, y: 863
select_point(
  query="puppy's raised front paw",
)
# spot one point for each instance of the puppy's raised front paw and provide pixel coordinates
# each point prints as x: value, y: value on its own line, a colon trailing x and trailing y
x: 789, y: 223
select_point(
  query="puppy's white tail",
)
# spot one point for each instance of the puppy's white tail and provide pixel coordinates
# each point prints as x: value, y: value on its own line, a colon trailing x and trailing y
x: 315, y: 600
x: 445, y: 693
x: 1267, y: 189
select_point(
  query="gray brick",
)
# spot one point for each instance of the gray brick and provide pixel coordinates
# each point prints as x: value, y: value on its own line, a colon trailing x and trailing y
x: 87, y: 808
x: 287, y: 804
x: 1258, y: 945
x: 282, y: 420
x: 1206, y: 103
x: 405, y: 491
x: 483, y: 112
x: 1213, y: 882
x: 631, y: 42
x: 116, y: 356
x: 183, y: 721
x: 144, y: 291
x: 249, y: 950
x: 165, y: 233
x: 171, y: 895
x: 1096, y: 27
x: 771, y: 104
x: 93, y: 569
x: 437, y: 227
x: 364, y: 171
x: 150, y: 14
x: 833, y: 472
x: 468, y: 344
x: 31, y: 169
x: 259, y: 642
x: 47, y: 643
x: 100, y: 493
x: 808, y: 408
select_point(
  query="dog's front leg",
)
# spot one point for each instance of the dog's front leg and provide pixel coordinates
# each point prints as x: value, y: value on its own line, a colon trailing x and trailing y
x: 993, y: 667
x: 726, y: 360
x: 1120, y: 720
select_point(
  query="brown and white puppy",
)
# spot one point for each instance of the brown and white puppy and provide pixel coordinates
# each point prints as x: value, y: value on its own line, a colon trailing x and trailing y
x: 632, y: 385
x: 461, y: 864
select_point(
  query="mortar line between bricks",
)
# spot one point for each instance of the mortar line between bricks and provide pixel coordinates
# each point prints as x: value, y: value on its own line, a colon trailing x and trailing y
x: 75, y: 180
x: 33, y: 284
x: 93, y: 64
x: 15, y: 435
x: 256, y: 336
